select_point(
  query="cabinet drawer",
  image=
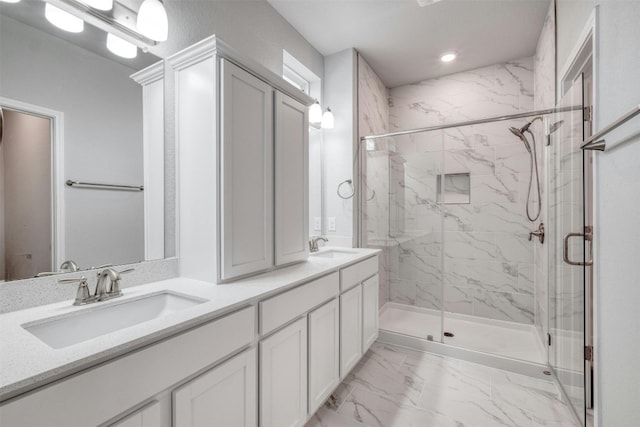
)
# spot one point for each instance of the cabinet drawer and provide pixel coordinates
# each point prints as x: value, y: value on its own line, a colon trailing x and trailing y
x: 120, y: 384
x: 278, y: 310
x: 357, y: 273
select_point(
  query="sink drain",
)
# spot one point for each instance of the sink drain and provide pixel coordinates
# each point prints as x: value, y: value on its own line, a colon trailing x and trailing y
x: 448, y: 334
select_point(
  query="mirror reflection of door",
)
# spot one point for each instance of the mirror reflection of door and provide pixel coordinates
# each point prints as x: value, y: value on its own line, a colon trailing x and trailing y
x: 25, y: 195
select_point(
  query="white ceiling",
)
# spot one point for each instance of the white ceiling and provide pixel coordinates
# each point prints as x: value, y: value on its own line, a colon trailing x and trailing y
x: 403, y: 42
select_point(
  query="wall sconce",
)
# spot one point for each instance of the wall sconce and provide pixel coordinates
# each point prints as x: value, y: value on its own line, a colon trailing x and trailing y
x: 152, y: 20
x: 122, y: 40
x: 315, y: 113
x: 63, y: 20
x: 327, y: 119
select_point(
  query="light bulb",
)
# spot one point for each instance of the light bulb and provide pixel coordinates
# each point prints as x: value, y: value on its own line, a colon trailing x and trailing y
x: 63, y: 20
x: 315, y: 113
x: 327, y: 119
x: 121, y: 47
x: 99, y: 4
x: 152, y: 20
x: 448, y: 57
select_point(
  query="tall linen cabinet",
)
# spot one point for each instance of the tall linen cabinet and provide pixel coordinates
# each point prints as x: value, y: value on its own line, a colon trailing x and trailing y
x: 242, y: 144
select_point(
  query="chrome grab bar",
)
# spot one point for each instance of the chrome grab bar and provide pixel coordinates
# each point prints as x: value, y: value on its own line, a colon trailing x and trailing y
x: 588, y: 236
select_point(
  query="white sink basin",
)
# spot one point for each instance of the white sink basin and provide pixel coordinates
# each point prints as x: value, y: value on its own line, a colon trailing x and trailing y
x: 63, y: 331
x: 334, y: 253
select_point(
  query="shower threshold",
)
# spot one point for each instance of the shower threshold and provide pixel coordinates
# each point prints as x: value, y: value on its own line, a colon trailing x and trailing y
x: 495, y: 337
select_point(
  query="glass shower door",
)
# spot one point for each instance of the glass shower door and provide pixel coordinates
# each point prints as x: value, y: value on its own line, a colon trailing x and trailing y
x: 568, y: 238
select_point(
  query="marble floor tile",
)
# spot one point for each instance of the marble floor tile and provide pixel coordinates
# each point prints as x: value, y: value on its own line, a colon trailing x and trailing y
x: 380, y: 374
x: 379, y: 410
x: 451, y: 393
x: 325, y: 417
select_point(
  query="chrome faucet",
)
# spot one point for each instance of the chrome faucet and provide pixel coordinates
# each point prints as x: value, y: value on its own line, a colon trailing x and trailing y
x: 69, y: 266
x: 114, y: 291
x: 313, y: 243
x: 83, y: 295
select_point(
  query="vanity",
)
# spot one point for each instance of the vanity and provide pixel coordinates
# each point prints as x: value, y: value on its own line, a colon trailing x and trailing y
x: 266, y: 350
x: 254, y: 330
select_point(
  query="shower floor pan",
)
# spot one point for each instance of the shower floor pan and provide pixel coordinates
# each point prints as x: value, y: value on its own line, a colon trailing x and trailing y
x: 507, y: 339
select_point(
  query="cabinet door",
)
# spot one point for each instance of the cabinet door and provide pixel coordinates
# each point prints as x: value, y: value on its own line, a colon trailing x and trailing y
x: 369, y: 312
x: 292, y: 180
x: 148, y: 416
x: 223, y: 396
x: 246, y: 173
x: 324, y: 353
x: 350, y: 329
x: 283, y: 377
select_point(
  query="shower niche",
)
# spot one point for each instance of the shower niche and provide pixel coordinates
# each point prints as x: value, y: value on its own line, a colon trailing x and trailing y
x: 455, y: 189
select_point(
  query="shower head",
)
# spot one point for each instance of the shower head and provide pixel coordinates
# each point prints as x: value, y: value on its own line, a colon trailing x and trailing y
x: 520, y: 134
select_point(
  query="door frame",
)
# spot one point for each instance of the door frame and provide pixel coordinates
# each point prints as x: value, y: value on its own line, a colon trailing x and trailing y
x: 582, y: 60
x: 57, y: 172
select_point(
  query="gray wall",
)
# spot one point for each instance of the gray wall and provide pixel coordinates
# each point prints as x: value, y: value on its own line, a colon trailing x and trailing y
x: 252, y: 27
x: 617, y: 238
x: 340, y: 96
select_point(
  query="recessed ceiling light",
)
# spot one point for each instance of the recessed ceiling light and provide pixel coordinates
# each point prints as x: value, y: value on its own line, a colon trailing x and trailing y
x: 448, y: 57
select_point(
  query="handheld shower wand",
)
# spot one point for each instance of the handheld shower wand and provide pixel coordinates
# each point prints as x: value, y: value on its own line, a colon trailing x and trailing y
x: 533, y: 162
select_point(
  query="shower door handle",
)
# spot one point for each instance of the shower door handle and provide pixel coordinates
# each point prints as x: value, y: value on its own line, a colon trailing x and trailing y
x: 588, y: 234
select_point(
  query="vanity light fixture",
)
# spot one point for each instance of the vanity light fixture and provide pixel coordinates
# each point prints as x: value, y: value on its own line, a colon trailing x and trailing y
x: 315, y: 113
x: 99, y: 4
x: 152, y: 20
x: 121, y: 47
x: 327, y: 119
x: 10, y: 1
x: 63, y: 20
x: 448, y: 57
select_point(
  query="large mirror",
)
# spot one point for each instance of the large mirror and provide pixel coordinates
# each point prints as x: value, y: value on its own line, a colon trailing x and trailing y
x: 71, y: 115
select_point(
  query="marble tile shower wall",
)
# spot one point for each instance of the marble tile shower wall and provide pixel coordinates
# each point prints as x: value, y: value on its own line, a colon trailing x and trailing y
x: 478, y: 250
x: 373, y: 118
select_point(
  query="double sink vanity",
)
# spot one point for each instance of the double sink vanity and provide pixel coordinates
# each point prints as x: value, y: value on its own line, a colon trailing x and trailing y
x: 255, y: 330
x: 267, y: 350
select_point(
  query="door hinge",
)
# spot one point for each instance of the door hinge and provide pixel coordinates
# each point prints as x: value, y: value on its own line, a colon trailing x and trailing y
x: 588, y: 353
x: 587, y: 112
x: 549, y: 339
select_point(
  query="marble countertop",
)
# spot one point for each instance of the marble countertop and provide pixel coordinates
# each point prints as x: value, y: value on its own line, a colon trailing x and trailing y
x: 27, y: 363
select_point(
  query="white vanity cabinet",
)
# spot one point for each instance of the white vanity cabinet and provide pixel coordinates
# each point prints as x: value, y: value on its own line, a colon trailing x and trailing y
x: 246, y: 173
x: 369, y: 312
x: 242, y: 142
x: 224, y: 396
x: 324, y: 353
x: 291, y: 180
x: 105, y: 395
x: 283, y: 377
x: 350, y: 329
x: 148, y: 416
x: 358, y: 311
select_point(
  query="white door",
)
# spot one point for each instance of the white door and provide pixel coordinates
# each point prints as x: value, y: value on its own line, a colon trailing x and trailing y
x: 369, y: 312
x: 246, y: 173
x: 324, y: 353
x: 283, y: 377
x: 223, y: 396
x: 350, y: 329
x: 292, y: 180
x: 148, y: 416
